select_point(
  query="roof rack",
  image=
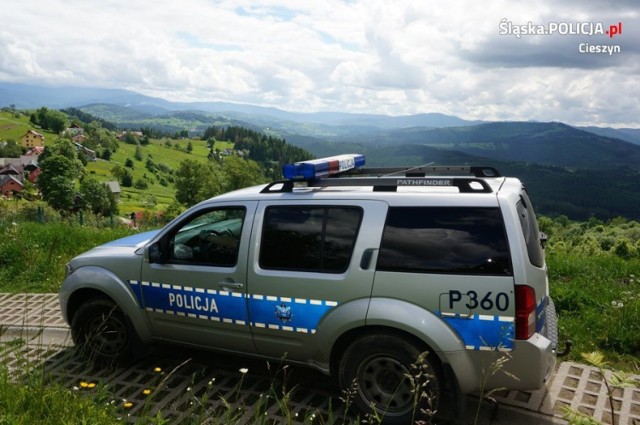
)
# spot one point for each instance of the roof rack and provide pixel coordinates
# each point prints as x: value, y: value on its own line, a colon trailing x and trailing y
x: 425, y: 170
x: 325, y: 172
x: 387, y: 184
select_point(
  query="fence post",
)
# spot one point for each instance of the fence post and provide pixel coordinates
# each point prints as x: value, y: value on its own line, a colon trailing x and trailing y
x: 81, y: 218
x: 40, y: 217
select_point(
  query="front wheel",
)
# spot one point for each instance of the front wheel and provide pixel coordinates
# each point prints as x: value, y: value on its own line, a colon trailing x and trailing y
x: 392, y: 379
x: 102, y: 332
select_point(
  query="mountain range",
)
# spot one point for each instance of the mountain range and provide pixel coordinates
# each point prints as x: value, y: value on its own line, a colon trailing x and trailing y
x: 577, y: 171
x: 130, y: 104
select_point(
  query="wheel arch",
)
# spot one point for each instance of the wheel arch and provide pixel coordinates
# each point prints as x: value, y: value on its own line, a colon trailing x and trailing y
x: 94, y: 282
x: 419, y: 326
x: 348, y: 338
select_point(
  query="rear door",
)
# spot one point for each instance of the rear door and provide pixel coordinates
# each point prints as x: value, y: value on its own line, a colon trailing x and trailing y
x: 310, y: 262
x: 454, y: 262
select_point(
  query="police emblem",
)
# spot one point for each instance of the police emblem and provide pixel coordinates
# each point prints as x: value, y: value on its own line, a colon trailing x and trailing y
x: 283, y: 312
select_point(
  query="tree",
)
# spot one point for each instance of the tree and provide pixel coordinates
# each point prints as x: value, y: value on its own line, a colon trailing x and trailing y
x: 127, y: 179
x: 188, y: 182
x: 41, y: 115
x: 10, y: 149
x: 123, y: 175
x: 130, y: 139
x: 58, y: 192
x: 64, y: 147
x: 97, y: 196
x: 51, y: 119
x: 212, y: 181
x: 141, y: 184
x: 99, y: 136
x: 56, y: 180
x: 239, y: 173
x: 189, y: 147
x: 57, y: 121
x: 138, y: 154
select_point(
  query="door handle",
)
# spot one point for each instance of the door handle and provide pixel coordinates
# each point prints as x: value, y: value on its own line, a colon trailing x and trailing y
x: 367, y: 255
x: 230, y: 286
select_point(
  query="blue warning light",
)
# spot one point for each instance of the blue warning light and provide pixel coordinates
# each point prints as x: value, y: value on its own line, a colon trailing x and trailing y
x: 322, y: 167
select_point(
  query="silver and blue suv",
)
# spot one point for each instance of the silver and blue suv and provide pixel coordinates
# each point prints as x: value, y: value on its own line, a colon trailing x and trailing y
x: 353, y: 271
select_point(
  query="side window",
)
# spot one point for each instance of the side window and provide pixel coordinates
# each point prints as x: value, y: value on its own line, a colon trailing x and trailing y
x: 310, y: 239
x: 210, y: 238
x: 445, y: 240
x: 530, y: 231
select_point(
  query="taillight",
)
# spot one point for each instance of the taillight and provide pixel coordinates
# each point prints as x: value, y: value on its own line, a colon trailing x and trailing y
x: 525, y: 312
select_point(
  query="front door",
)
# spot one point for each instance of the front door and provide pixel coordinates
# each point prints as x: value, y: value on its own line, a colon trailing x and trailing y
x: 194, y: 286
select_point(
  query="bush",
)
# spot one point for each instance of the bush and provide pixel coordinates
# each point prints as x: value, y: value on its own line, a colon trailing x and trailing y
x: 141, y: 184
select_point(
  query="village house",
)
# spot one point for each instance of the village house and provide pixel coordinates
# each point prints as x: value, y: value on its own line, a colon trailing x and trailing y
x: 32, y: 139
x: 88, y: 153
x: 114, y: 187
x: 74, y: 130
x: 35, y: 151
x: 123, y: 135
x: 79, y: 138
x: 14, y: 171
x: 9, y: 185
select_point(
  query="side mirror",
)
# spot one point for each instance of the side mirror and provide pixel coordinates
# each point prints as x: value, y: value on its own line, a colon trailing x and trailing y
x: 543, y: 240
x: 152, y: 253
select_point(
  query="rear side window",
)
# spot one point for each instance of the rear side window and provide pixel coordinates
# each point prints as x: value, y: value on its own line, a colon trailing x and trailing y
x: 310, y: 239
x: 530, y: 231
x: 445, y: 240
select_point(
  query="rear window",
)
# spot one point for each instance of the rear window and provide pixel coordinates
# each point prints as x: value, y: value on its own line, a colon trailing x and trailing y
x: 530, y: 230
x: 309, y: 239
x: 445, y: 240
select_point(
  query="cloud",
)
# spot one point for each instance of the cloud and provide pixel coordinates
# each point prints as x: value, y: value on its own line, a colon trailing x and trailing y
x: 379, y: 56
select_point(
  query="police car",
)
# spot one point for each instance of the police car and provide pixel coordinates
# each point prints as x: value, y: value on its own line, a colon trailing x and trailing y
x: 351, y: 270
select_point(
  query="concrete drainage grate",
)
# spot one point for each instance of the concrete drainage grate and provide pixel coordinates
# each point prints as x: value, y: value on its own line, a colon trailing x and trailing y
x: 32, y: 331
x: 185, y: 389
x: 30, y: 311
x: 580, y: 387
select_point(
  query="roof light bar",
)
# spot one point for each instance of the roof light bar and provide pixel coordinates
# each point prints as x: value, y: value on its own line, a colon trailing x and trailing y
x: 315, y: 168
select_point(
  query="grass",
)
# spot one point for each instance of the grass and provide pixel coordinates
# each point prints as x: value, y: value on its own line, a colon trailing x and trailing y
x: 15, y: 125
x: 133, y: 199
x: 598, y: 303
x: 31, y: 393
x: 28, y: 397
x: 33, y: 255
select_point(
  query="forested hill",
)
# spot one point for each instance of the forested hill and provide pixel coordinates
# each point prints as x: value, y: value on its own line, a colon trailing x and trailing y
x: 552, y: 143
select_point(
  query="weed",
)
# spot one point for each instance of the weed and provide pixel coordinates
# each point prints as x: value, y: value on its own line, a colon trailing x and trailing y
x: 612, y: 380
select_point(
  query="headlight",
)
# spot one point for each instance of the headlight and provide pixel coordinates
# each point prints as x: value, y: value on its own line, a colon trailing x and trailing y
x: 68, y: 269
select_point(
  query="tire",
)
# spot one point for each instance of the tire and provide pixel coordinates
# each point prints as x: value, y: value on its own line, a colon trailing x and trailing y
x: 552, y: 324
x: 102, y: 332
x: 374, y: 369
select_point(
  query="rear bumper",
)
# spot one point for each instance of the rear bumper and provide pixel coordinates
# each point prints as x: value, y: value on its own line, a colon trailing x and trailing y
x: 529, y: 365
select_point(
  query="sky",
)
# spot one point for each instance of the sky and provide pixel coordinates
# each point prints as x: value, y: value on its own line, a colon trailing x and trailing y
x: 472, y: 59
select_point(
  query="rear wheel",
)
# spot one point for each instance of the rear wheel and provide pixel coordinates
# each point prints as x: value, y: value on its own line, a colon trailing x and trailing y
x: 392, y: 377
x: 102, y: 332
